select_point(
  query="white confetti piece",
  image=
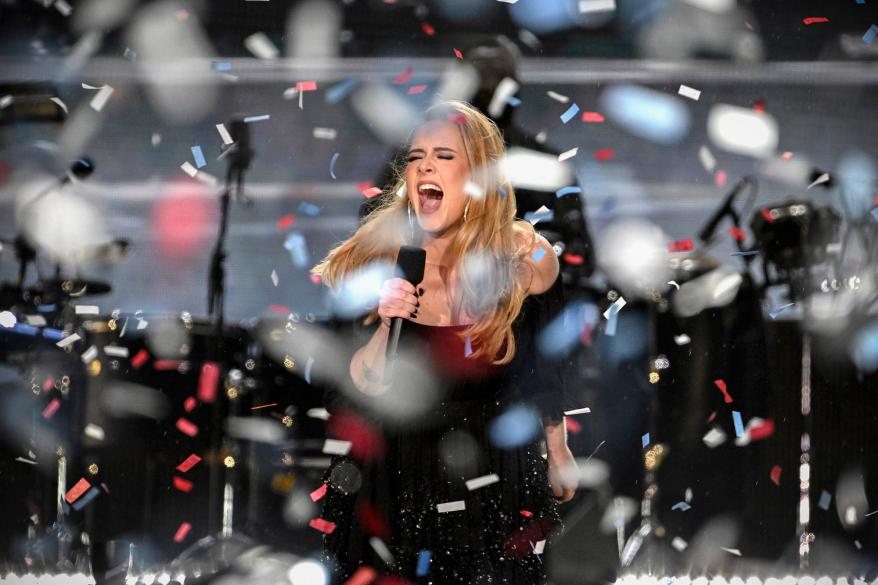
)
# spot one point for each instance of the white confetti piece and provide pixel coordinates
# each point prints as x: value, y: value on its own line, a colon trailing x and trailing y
x: 260, y: 118
x: 381, y: 549
x: 325, y: 133
x: 336, y: 447
x: 732, y: 551
x: 714, y: 437
x: 456, y: 506
x: 94, y: 431
x: 819, y: 180
x: 558, y: 97
x: 681, y: 339
x: 568, y: 154
x: 505, y: 90
x: 615, y: 307
x: 585, y: 410
x: 708, y: 161
x: 90, y: 354
x: 688, y: 496
x: 63, y: 7
x: 100, y: 99
x: 5, y: 101
x: 689, y: 92
x: 539, y: 547
x: 261, y: 46
x: 7, y: 319
x: 60, y: 103
x: 480, y: 482
x: 587, y: 6
x: 743, y: 130
x: 68, y: 340
x: 540, y: 214
x: 679, y: 544
x: 116, y: 351
x: 189, y: 169
x: 473, y: 189
x: 274, y: 278
x: 508, y: 1
x: 23, y: 460
x: 35, y: 320
x: 224, y: 134
x: 87, y: 309
x: 318, y: 413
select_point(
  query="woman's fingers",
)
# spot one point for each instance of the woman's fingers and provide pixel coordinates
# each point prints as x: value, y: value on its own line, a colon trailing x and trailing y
x: 398, y: 299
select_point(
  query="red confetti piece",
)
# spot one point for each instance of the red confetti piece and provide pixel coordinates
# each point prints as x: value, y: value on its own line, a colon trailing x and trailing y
x: 722, y: 388
x: 48, y: 384
x: 372, y: 520
x: 165, y: 365
x: 720, y: 177
x: 367, y: 443
x: 712, y: 417
x: 815, y: 19
x: 51, y: 408
x: 189, y: 404
x: 775, y: 474
x: 680, y: 246
x: 371, y: 192
x: 207, y: 382
x: 187, y: 427
x: 363, y: 576
x: 415, y: 89
x: 526, y: 513
x: 182, y: 532
x: 458, y: 119
x: 763, y: 431
x: 592, y: 117
x: 737, y: 233
x: 139, y: 359
x: 766, y: 215
x: 184, y: 485
x: 318, y: 493
x: 572, y: 425
x: 286, y: 221
x: 604, y: 154
x: 573, y: 259
x: 403, y: 77
x: 787, y: 155
x: 458, y: 54
x: 263, y: 406
x: 317, y: 279
x: 306, y: 86
x: 428, y: 29
x: 324, y: 526
x: 279, y: 309
x: 188, y: 463
x: 77, y: 490
x: 759, y: 106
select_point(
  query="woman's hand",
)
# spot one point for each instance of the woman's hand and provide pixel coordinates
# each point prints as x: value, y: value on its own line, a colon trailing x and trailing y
x: 563, y: 473
x: 398, y: 299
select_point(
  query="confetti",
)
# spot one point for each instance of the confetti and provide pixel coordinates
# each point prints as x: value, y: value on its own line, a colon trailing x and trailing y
x: 340, y: 90
x: 94, y: 431
x: 336, y: 447
x: 870, y: 34
x: 458, y: 54
x: 777, y: 311
x: 87, y: 309
x: 363, y: 576
x: 505, y: 89
x: 541, y: 214
x: 309, y: 208
x: 592, y: 117
x: 182, y: 532
x: 646, y: 113
x: 739, y: 424
x: 824, y: 178
x: 689, y: 92
x: 708, y: 161
x: 68, y: 340
x: 187, y: 427
x: 198, y: 155
x: 189, y: 404
x: 732, y: 551
x: 423, y: 563
x: 558, y: 97
x: 129, y: 55
x: 139, y: 359
x: 308, y: 365
x: 224, y: 134
x: 538, y: 254
x: 815, y: 19
x: 679, y: 544
x: 332, y: 166
x: 116, y: 351
x: 568, y: 154
x: 568, y: 115
x: 428, y: 29
x: 722, y: 388
x: 644, y: 440
x: 51, y: 408
x: 480, y: 482
x: 261, y: 118
x: 324, y: 526
x: 539, y: 547
x: 261, y: 406
x: 682, y: 506
x: 585, y: 410
x: 455, y: 506
x: 261, y: 46
x: 681, y: 246
x: 825, y: 500
x: 742, y: 131
x: 720, y: 177
x: 100, y: 99
x: 7, y: 319
x: 189, y: 169
x: 77, y: 490
x: 416, y: 89
x: 714, y: 437
x: 181, y: 484
x: 207, y: 382
x: 286, y: 221
x: 325, y: 133
x: 617, y: 306
x: 604, y: 154
x: 319, y: 493
x: 188, y: 463
x: 86, y: 499
x: 588, y: 6
x: 370, y: 192
x: 221, y: 66
x: 775, y: 474
x: 468, y: 347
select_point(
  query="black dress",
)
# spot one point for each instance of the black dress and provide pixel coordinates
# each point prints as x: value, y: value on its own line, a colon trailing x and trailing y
x: 388, y: 501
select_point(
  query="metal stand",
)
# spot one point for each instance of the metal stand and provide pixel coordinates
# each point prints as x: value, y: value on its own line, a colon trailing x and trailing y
x: 806, y: 537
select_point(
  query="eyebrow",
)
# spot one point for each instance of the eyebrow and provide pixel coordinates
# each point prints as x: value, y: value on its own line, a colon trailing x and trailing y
x: 436, y: 149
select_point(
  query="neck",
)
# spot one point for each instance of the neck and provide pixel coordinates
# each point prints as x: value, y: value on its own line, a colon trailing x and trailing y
x: 437, y: 245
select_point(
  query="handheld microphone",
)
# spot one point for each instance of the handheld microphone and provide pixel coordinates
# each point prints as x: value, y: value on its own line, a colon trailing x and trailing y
x: 410, y: 261
x: 240, y: 153
x: 706, y: 234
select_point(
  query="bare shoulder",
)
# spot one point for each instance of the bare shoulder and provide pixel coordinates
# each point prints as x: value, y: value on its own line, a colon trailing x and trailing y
x: 539, y: 263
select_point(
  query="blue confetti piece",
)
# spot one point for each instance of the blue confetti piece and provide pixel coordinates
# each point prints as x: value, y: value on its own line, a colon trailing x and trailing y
x: 861, y: 1
x: 261, y: 118
x: 513, y: 101
x: 25, y: 329
x: 681, y: 506
x: 874, y: 213
x: 340, y: 90
x: 221, y: 66
x: 308, y: 365
x: 568, y: 115
x: 645, y: 440
x: 86, y: 499
x: 502, y: 192
x: 564, y: 331
x: 825, y: 499
x: 332, y: 164
x: 535, y: 217
x: 647, y: 113
x: 568, y: 191
x: 309, y: 208
x: 515, y: 427
x: 538, y: 254
x: 53, y: 334
x: 423, y: 563
x: 51, y: 308
x: 198, y: 156
x: 739, y: 424
x: 612, y: 322
x: 468, y: 348
x: 295, y: 244
x: 775, y: 312
x: 748, y: 253
x: 870, y: 34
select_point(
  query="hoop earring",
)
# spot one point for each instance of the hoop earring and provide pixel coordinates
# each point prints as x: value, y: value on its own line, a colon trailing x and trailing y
x: 411, y: 221
x: 466, y: 210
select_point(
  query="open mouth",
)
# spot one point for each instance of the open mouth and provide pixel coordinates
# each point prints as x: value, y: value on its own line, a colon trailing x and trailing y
x: 430, y: 197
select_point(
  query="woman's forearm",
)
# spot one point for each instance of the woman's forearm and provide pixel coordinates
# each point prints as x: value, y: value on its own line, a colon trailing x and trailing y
x: 556, y: 434
x: 367, y: 365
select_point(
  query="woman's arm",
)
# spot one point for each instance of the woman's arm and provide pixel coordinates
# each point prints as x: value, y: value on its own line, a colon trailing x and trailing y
x: 539, y: 263
x: 563, y: 471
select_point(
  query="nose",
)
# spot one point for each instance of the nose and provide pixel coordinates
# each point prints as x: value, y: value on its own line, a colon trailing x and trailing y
x: 425, y: 165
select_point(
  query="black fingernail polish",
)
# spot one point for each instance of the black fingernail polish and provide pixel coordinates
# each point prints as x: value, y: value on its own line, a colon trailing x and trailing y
x: 414, y: 315
x: 421, y: 292
x: 418, y: 304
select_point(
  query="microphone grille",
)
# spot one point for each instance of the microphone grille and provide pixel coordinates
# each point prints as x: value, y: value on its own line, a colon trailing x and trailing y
x: 411, y: 261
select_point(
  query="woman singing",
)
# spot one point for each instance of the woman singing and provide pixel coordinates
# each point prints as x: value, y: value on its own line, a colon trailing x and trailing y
x: 464, y: 495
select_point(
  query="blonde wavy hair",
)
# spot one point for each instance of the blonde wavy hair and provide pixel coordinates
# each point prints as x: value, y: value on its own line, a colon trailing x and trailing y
x: 491, y: 234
